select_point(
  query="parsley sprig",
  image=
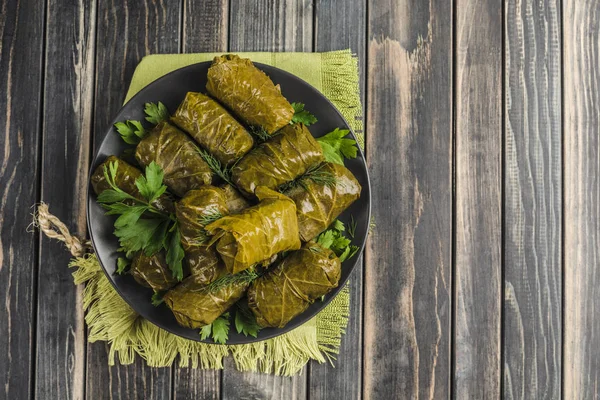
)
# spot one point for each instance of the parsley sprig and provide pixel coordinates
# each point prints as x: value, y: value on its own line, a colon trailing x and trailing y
x: 140, y: 226
x: 301, y: 115
x: 132, y: 131
x: 245, y: 321
x: 219, y: 329
x: 336, y: 146
x: 335, y: 239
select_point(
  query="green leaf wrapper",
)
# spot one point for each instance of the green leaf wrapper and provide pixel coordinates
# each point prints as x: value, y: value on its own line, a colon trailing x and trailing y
x: 152, y: 272
x: 213, y: 127
x: 125, y: 180
x: 248, y: 92
x: 318, y: 205
x: 257, y: 233
x: 204, y: 264
x: 194, y: 306
x: 194, y: 209
x: 184, y: 168
x: 282, y: 159
x: 235, y: 201
x: 289, y: 288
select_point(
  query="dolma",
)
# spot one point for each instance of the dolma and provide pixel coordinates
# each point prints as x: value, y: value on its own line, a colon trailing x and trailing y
x: 195, y: 305
x: 195, y: 209
x: 204, y: 264
x: 289, y: 288
x: 152, y: 271
x: 213, y: 127
x: 319, y: 204
x: 183, y: 166
x: 279, y: 160
x: 235, y: 201
x: 125, y: 180
x: 248, y: 92
x: 257, y: 233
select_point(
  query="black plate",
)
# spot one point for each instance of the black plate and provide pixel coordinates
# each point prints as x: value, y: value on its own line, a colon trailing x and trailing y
x: 171, y: 89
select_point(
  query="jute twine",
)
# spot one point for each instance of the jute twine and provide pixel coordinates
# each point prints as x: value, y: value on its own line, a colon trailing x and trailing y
x: 54, y: 228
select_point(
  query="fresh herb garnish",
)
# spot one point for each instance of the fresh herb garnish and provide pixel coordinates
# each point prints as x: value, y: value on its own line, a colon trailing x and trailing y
x: 156, y: 112
x: 157, y: 298
x: 122, y: 265
x: 352, y: 227
x: 215, y: 165
x: 245, y: 321
x: 335, y: 146
x: 131, y: 131
x: 219, y: 329
x: 140, y: 226
x: 301, y: 115
x: 260, y: 133
x: 334, y: 239
x: 315, y: 174
x: 246, y: 276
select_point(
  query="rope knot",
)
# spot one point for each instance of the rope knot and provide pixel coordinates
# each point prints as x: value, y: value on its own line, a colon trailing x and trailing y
x: 54, y: 228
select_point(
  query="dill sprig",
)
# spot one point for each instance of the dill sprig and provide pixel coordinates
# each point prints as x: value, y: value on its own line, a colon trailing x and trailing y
x: 352, y: 227
x: 260, y: 134
x: 245, y: 276
x: 316, y: 174
x: 215, y: 165
x: 212, y: 216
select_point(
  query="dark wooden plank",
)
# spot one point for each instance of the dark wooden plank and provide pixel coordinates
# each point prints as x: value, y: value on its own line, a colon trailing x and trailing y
x: 126, y: 33
x: 68, y: 96
x: 124, y: 382
x: 205, y: 25
x: 533, y: 201
x: 478, y: 95
x: 409, y: 150
x: 341, y: 24
x: 204, y: 30
x: 267, y: 26
x: 21, y: 47
x: 582, y: 199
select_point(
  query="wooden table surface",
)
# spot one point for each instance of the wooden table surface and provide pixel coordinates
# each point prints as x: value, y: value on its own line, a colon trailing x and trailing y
x: 481, y: 278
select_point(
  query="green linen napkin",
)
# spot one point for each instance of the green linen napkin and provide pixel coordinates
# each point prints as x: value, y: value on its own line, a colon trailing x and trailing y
x: 110, y: 319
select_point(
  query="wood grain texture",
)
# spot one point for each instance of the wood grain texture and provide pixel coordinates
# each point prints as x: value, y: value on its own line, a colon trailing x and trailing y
x: 127, y: 31
x: 267, y: 26
x: 409, y: 151
x: 533, y: 201
x: 68, y: 95
x: 478, y: 95
x: 271, y: 25
x: 21, y: 49
x: 205, y: 26
x: 341, y: 24
x: 582, y: 199
x: 205, y: 29
x: 129, y: 382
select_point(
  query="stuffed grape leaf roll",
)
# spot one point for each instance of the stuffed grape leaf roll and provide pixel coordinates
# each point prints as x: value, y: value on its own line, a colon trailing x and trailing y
x: 194, y: 304
x: 125, y: 180
x: 235, y: 201
x: 248, y: 92
x: 204, y: 264
x: 152, y: 271
x: 213, y: 127
x: 289, y: 288
x: 178, y: 156
x: 257, y: 233
x: 318, y: 204
x: 279, y: 160
x: 195, y: 210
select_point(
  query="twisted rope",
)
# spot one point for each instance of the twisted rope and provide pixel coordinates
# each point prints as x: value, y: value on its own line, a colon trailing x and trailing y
x: 54, y: 228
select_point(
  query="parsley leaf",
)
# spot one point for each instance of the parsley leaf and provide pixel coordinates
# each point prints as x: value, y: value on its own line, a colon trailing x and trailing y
x: 131, y: 131
x: 122, y: 265
x: 335, y: 239
x: 301, y: 115
x: 205, y: 331
x: 326, y: 238
x: 245, y: 321
x: 220, y: 329
x: 156, y: 112
x: 336, y: 147
x: 150, y: 185
x: 338, y: 225
x: 157, y: 299
x: 175, y: 252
